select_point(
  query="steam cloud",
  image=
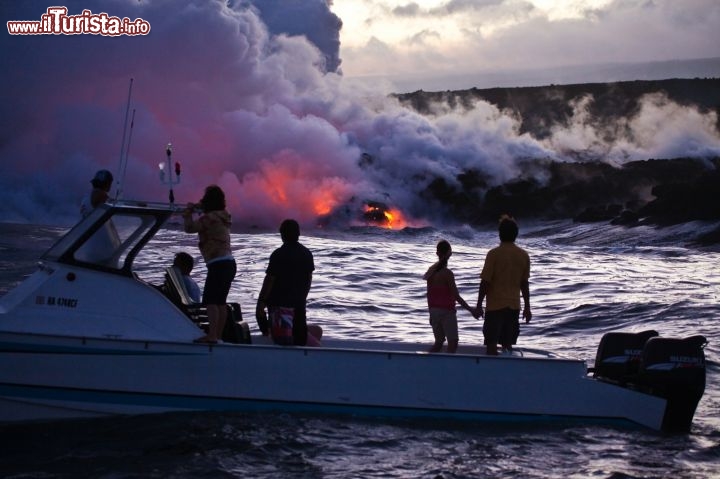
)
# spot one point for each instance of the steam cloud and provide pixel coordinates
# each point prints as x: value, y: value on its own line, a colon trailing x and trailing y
x: 257, y: 104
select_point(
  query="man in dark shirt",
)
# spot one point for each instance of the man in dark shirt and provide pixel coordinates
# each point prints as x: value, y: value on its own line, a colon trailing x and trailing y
x: 286, y: 286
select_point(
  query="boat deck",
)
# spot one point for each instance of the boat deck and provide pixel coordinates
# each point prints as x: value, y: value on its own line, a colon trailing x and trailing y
x: 407, y: 347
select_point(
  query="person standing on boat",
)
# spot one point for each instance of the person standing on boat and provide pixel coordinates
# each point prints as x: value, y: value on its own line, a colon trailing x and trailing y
x: 504, y: 278
x: 442, y: 294
x: 285, y: 289
x: 101, y: 182
x: 213, y: 228
x: 102, y: 246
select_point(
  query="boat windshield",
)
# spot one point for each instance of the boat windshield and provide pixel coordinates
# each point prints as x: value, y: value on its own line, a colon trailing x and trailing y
x: 110, y: 244
x: 106, y: 241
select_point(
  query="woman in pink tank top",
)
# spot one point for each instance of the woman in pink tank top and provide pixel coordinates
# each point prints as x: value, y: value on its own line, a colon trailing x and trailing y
x: 442, y: 294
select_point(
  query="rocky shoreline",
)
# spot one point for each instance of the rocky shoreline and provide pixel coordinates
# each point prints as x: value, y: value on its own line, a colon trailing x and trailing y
x: 652, y: 191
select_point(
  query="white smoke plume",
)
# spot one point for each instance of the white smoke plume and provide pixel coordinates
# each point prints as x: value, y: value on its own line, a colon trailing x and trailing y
x: 252, y: 98
x: 660, y: 129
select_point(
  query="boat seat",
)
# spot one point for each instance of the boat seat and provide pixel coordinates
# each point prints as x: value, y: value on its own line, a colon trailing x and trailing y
x: 619, y: 353
x: 236, y: 330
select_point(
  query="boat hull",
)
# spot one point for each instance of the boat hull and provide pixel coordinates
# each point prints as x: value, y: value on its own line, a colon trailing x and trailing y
x: 51, y: 377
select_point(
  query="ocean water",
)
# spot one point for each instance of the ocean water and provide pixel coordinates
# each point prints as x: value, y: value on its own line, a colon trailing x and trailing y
x: 585, y: 280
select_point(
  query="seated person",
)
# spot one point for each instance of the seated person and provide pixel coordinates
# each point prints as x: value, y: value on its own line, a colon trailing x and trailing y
x: 184, y: 262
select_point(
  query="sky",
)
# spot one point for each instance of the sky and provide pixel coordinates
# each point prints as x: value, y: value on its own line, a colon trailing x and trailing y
x: 273, y: 100
x: 441, y: 44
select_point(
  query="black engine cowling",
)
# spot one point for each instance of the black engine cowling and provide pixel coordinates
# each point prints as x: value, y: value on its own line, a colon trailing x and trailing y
x: 675, y: 369
x: 619, y: 354
x: 670, y: 368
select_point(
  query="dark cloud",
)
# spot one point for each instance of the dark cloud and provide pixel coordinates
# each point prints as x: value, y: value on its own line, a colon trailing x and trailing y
x: 460, y: 6
x: 310, y: 18
x: 409, y: 10
x: 422, y: 37
x: 451, y: 7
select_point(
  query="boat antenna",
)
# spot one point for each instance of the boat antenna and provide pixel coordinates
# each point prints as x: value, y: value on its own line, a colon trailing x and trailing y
x: 168, y: 175
x: 123, y: 157
x: 127, y: 153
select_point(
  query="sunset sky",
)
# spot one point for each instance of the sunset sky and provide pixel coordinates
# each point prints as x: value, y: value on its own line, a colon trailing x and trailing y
x: 422, y: 43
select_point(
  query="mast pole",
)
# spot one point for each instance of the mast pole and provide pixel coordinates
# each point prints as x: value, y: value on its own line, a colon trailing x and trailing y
x: 123, y: 159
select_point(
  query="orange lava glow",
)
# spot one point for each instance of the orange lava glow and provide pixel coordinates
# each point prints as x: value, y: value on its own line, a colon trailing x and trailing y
x: 395, y: 219
x: 391, y: 218
x: 293, y: 186
x: 323, y: 202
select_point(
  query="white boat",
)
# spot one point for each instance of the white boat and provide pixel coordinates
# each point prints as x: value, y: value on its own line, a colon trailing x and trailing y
x: 83, y: 336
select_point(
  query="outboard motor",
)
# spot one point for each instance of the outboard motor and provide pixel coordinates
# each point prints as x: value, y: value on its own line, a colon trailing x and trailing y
x: 618, y: 355
x: 675, y: 369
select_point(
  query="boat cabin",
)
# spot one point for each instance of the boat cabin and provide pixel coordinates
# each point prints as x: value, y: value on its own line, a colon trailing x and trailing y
x: 85, y: 285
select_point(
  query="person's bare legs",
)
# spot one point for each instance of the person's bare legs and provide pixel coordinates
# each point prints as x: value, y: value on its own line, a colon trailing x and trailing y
x: 217, y: 315
x: 439, y: 335
x: 439, y: 341
x: 222, y: 318
x: 220, y: 314
x: 452, y: 346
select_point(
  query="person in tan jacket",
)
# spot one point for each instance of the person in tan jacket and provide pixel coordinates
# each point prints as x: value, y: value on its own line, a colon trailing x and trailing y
x: 213, y: 229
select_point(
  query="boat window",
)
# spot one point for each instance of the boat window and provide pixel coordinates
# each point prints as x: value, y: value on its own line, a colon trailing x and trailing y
x: 67, y: 241
x: 111, y: 243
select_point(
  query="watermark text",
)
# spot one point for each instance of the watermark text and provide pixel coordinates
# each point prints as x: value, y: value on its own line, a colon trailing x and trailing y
x: 56, y: 21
